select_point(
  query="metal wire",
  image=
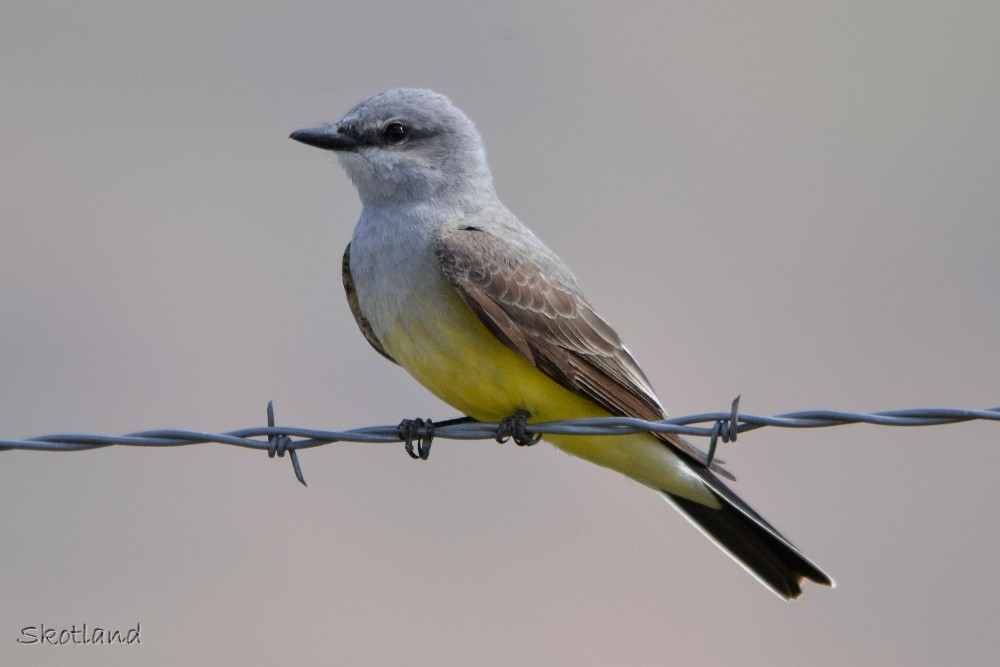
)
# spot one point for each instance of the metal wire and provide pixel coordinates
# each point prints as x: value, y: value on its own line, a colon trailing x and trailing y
x: 279, y: 440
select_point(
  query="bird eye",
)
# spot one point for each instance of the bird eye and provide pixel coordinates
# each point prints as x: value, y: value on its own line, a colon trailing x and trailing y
x: 396, y: 133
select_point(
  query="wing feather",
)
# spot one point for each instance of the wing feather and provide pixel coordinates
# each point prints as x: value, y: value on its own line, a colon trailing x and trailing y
x: 528, y: 299
x: 352, y: 301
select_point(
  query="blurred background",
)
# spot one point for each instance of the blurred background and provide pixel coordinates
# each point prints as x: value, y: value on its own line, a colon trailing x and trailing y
x: 795, y: 202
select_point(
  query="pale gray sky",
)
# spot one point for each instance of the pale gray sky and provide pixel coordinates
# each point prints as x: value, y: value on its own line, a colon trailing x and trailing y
x: 796, y: 202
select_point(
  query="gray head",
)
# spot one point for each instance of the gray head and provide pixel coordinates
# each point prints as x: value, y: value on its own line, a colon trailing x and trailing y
x: 407, y: 146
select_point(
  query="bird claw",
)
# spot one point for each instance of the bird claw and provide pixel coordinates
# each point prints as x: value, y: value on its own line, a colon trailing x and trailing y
x: 516, y: 427
x: 420, y: 429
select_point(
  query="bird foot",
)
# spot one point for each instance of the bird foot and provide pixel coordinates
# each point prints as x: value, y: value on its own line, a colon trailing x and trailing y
x: 516, y: 427
x: 421, y: 430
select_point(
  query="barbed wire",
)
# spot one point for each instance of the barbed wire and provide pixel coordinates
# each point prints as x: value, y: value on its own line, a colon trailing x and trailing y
x: 279, y: 440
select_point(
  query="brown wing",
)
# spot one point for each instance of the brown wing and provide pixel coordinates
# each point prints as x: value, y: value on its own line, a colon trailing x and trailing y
x: 352, y: 301
x: 529, y: 300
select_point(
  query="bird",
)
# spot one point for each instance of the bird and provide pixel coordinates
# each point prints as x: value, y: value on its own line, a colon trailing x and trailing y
x: 443, y: 280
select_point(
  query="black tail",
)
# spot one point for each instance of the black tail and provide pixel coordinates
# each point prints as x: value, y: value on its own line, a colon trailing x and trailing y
x: 750, y: 540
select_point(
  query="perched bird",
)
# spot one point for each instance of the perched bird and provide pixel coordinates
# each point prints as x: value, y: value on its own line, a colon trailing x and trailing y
x: 445, y: 281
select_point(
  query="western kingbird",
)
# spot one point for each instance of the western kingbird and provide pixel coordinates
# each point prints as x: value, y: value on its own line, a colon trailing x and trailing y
x: 445, y: 281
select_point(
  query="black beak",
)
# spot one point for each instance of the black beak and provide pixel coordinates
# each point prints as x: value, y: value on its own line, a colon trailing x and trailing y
x: 326, y: 137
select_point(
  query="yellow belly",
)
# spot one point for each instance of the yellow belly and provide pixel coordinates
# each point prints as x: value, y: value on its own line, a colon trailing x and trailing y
x: 449, y: 351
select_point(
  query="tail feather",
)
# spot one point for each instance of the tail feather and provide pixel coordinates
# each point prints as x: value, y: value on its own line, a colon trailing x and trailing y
x: 751, y: 541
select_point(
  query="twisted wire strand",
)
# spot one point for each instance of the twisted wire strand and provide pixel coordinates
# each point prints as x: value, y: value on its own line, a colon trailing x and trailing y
x: 279, y: 440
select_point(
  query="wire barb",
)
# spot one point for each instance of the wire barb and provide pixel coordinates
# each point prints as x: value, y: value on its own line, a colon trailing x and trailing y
x: 727, y: 429
x: 278, y: 443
